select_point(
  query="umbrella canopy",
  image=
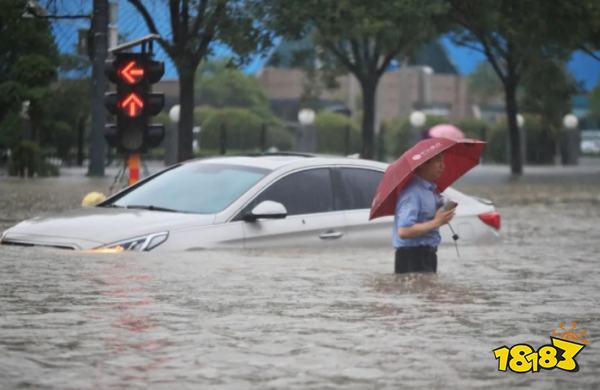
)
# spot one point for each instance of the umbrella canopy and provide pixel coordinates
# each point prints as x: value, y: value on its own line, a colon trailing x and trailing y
x: 446, y: 131
x: 459, y: 157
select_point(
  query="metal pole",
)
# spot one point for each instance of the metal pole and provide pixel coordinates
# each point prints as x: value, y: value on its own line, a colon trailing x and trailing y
x: 263, y: 137
x: 133, y: 165
x: 100, y: 38
x: 223, y: 139
x: 347, y: 140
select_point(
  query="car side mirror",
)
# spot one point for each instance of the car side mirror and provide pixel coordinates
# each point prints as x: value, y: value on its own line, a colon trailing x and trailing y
x: 266, y: 209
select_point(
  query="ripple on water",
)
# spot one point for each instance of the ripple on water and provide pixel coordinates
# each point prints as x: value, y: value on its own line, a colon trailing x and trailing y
x: 300, y: 319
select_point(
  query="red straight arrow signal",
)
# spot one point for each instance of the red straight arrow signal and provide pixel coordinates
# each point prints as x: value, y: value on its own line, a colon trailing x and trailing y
x: 132, y: 104
x: 131, y: 74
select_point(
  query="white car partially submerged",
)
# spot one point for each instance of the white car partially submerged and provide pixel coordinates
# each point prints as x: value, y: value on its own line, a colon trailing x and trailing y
x: 272, y: 200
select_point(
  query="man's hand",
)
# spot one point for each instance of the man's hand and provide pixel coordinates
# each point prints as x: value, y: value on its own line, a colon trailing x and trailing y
x: 443, y: 217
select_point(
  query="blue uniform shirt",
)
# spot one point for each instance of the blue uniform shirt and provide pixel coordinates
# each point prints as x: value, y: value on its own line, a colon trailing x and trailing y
x: 417, y: 203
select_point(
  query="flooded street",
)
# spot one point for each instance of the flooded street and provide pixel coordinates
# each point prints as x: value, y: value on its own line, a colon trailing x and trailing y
x: 299, y: 319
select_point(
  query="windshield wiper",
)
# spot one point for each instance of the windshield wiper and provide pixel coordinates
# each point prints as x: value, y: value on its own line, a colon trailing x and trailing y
x: 110, y: 205
x: 150, y: 207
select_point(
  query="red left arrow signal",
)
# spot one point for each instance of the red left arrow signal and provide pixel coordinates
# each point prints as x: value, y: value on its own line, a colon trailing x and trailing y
x: 130, y: 73
x: 132, y: 104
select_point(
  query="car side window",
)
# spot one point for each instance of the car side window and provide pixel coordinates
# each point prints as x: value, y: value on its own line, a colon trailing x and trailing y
x: 304, y: 192
x: 356, y: 186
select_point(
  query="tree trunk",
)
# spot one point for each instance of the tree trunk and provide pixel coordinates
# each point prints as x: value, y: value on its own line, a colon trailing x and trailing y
x: 369, y: 90
x: 186, y: 113
x: 510, y: 95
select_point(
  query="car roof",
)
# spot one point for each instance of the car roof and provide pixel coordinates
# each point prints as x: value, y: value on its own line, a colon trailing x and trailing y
x: 274, y: 161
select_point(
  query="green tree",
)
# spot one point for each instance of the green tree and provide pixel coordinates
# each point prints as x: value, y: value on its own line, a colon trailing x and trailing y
x: 586, y: 33
x: 547, y: 92
x: 302, y: 53
x: 335, y: 133
x: 28, y: 63
x: 594, y: 96
x: 67, y: 114
x: 360, y: 37
x: 484, y: 83
x: 194, y: 25
x: 28, y: 57
x: 221, y: 85
x: 514, y: 35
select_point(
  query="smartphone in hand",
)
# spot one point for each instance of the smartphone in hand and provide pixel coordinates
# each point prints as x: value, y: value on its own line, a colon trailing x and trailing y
x: 450, y: 205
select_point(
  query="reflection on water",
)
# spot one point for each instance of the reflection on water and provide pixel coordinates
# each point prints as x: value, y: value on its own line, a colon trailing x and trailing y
x: 300, y: 319
x: 297, y: 319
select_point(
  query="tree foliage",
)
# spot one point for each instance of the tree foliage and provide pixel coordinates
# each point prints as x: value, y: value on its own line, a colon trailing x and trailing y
x: 221, y: 85
x: 195, y: 25
x: 514, y: 36
x: 360, y: 37
x: 28, y: 57
x: 67, y: 115
x: 484, y: 83
x: 28, y: 64
x: 547, y: 92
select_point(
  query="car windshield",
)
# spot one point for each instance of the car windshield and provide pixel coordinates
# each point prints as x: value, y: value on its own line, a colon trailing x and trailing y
x: 204, y: 188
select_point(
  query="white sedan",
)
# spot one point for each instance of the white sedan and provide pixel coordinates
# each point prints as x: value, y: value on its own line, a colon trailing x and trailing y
x: 260, y: 201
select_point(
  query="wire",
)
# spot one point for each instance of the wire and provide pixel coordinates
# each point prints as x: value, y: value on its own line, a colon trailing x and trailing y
x: 119, y: 176
x: 145, y: 168
x: 455, y: 237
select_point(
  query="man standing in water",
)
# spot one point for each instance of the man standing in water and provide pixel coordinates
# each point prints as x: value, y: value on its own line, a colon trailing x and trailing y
x: 418, y: 218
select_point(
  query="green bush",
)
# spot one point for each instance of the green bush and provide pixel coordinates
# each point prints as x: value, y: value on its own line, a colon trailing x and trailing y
x: 332, y: 130
x: 397, y: 134
x: 279, y: 136
x: 201, y: 113
x: 540, y: 141
x: 496, y: 149
x: 27, y: 160
x: 539, y: 138
x: 61, y: 136
x: 474, y: 128
x: 242, y: 129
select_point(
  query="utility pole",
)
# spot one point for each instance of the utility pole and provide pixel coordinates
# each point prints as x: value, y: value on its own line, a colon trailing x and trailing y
x: 100, y: 42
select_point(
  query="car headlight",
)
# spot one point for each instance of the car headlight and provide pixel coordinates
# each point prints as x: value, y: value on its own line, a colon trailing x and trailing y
x: 139, y: 244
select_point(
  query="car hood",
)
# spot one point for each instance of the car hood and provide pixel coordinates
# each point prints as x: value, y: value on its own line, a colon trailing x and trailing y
x: 91, y: 227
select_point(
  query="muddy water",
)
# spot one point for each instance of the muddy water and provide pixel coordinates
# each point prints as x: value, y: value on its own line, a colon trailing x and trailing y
x: 300, y: 319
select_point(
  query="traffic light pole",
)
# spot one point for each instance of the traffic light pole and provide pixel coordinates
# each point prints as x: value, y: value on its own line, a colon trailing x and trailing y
x: 133, y: 166
x: 100, y: 37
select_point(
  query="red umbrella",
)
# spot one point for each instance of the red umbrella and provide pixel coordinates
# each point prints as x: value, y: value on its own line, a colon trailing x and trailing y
x: 459, y: 157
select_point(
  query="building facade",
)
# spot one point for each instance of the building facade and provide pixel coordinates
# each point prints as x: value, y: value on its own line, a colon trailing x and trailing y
x: 399, y: 92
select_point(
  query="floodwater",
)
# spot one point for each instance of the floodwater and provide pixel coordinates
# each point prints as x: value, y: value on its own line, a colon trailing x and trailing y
x: 299, y: 319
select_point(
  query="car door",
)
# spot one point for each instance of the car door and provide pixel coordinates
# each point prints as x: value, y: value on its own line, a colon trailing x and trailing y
x: 355, y: 188
x: 311, y: 218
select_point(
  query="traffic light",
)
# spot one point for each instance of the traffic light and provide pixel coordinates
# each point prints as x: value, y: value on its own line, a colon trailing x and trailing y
x: 133, y: 103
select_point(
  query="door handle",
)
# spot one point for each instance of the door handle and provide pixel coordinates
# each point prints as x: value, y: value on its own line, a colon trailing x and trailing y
x: 330, y: 235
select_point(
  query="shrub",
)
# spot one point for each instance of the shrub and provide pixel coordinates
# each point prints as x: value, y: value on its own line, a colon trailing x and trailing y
x: 332, y: 131
x: 242, y: 129
x: 540, y: 142
x: 397, y: 134
x: 27, y: 160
